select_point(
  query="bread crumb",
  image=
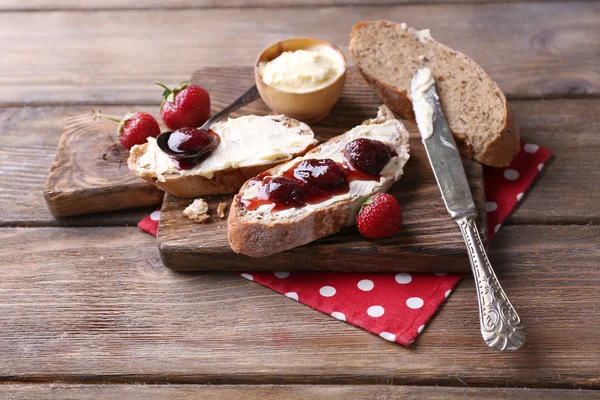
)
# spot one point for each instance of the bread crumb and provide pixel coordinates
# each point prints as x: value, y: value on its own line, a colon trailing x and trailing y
x: 221, y: 210
x: 197, y: 211
x: 423, y: 58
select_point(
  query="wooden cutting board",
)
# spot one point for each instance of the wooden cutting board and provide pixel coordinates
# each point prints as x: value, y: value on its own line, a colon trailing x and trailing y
x: 90, y: 173
x: 429, y: 241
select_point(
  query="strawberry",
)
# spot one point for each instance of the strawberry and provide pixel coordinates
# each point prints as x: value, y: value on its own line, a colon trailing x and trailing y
x: 380, y: 216
x: 186, y: 106
x: 134, y: 128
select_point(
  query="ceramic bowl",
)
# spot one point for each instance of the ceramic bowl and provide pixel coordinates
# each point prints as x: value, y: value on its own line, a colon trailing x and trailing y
x: 308, y: 107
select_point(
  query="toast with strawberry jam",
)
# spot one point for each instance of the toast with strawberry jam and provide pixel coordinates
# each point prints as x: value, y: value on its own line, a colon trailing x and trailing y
x: 245, y: 146
x: 319, y: 193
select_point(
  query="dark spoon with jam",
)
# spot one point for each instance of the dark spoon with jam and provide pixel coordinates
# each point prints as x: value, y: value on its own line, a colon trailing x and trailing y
x: 189, y: 146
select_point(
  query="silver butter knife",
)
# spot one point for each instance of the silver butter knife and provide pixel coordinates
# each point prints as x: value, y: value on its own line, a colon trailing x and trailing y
x: 501, y: 326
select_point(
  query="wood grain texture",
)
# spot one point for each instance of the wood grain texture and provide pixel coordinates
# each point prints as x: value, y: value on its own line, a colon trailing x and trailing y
x: 96, y: 305
x: 531, y: 49
x: 90, y: 173
x: 288, y: 392
x: 429, y: 239
x: 568, y: 190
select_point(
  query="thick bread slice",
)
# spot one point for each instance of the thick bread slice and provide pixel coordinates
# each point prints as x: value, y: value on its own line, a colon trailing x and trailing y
x: 260, y: 233
x: 152, y: 165
x: 388, y: 56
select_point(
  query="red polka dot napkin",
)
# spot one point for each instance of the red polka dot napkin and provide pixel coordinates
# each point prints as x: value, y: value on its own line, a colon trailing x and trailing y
x: 396, y: 307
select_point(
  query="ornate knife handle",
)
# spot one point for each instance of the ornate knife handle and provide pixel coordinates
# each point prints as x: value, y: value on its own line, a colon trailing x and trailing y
x: 501, y: 326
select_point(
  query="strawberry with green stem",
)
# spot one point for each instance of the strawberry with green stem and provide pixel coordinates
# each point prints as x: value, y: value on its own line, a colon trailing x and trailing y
x: 185, y: 106
x: 134, y: 128
x: 379, y: 217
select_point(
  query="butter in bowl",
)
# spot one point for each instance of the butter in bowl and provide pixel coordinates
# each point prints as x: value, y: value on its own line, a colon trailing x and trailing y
x: 301, y: 77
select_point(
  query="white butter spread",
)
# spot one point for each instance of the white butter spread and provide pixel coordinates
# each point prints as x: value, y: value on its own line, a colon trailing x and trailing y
x: 421, y: 82
x: 245, y: 141
x: 302, y: 71
x: 386, y: 132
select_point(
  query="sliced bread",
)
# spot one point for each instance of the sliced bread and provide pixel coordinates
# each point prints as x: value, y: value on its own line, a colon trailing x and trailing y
x: 388, y: 56
x: 262, y: 232
x: 249, y: 145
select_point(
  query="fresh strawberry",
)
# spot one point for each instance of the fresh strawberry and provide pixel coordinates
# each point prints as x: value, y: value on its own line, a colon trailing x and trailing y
x: 379, y: 217
x: 186, y: 106
x: 134, y: 128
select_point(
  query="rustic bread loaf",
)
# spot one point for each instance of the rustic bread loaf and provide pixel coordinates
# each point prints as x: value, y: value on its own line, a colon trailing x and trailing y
x: 260, y: 233
x: 388, y: 56
x: 249, y: 145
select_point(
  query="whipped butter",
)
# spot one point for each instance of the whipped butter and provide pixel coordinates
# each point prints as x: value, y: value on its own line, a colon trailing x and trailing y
x: 421, y: 82
x: 303, y: 71
x: 245, y: 141
x: 386, y: 132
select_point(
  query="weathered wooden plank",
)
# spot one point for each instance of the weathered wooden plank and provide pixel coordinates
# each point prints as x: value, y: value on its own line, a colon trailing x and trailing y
x: 49, y: 5
x: 561, y: 195
x: 90, y: 173
x: 96, y: 304
x: 271, y: 392
x: 29, y: 140
x: 531, y: 49
x: 567, y: 190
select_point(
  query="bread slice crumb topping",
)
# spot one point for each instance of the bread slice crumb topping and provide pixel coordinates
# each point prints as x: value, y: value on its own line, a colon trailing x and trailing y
x: 197, y: 211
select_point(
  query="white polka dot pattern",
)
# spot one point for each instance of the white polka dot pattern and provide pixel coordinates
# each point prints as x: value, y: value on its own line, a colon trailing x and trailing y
x: 247, y: 276
x: 366, y: 285
x: 511, y: 174
x: 292, y: 295
x: 403, y: 278
x: 414, y: 302
x: 375, y: 311
x: 519, y: 196
x: 390, y: 337
x: 338, y: 315
x: 327, y: 291
x: 490, y: 206
x: 531, y: 148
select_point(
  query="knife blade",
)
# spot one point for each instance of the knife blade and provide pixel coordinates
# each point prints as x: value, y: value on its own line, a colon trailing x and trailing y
x: 501, y: 326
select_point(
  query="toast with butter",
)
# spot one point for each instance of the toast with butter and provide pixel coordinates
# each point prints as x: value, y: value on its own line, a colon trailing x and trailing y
x: 388, y: 56
x: 249, y: 145
x: 259, y: 227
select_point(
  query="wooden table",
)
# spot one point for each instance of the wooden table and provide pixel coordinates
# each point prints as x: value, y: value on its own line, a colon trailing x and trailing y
x: 88, y: 311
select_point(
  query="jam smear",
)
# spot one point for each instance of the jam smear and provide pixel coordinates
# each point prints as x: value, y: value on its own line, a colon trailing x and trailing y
x: 309, y: 181
x: 368, y: 155
x: 320, y: 173
x: 192, y: 141
x: 283, y: 190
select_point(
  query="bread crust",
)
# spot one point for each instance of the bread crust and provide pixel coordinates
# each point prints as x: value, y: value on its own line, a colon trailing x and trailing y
x: 261, y: 239
x: 223, y: 182
x: 498, y: 152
